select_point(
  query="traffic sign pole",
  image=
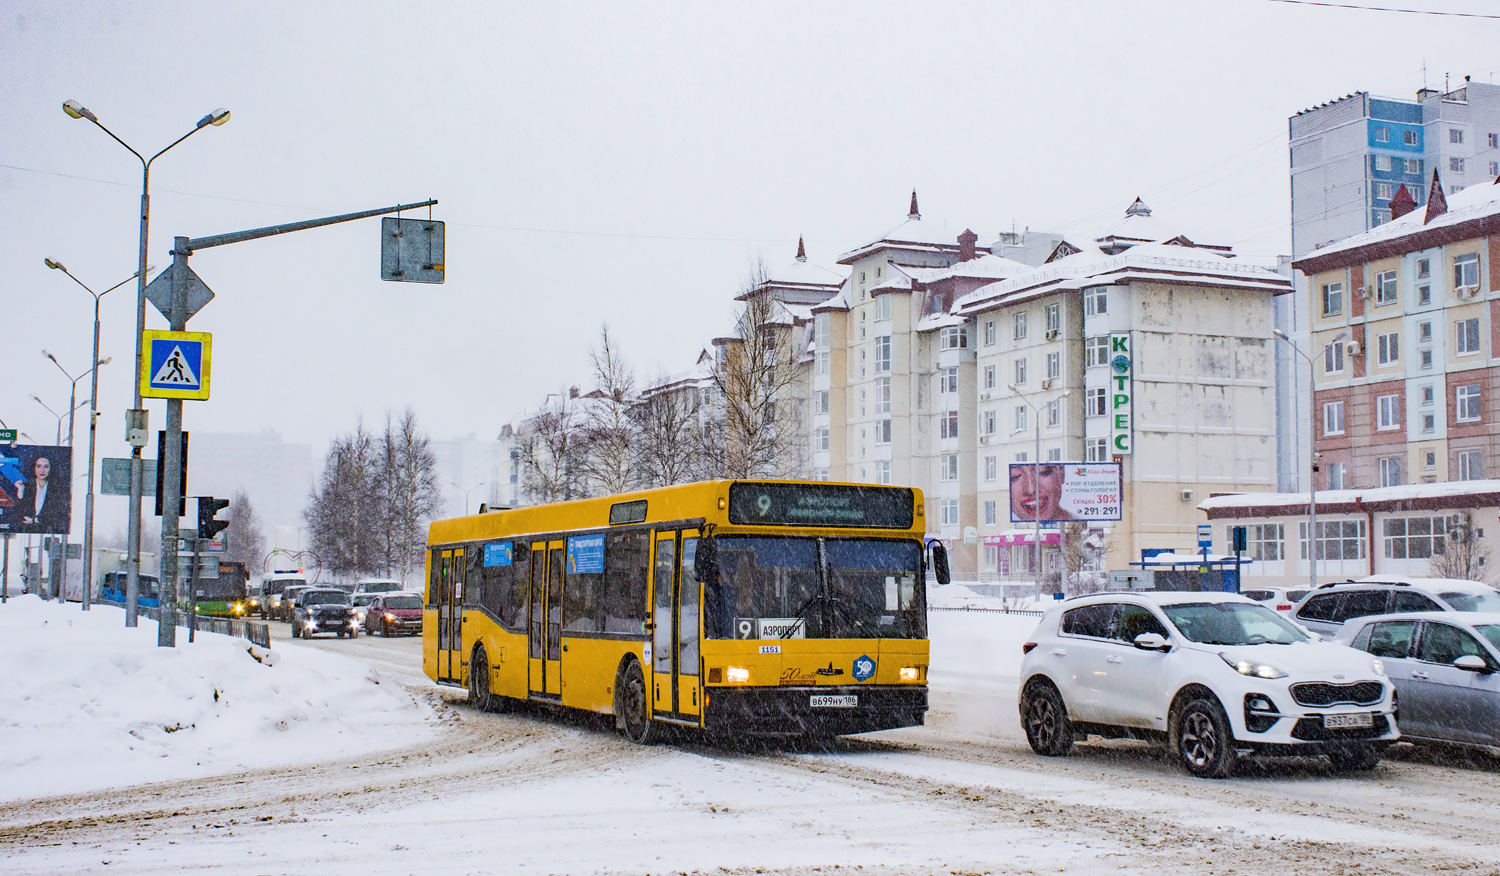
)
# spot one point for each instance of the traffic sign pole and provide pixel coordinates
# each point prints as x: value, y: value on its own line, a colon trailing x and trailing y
x: 171, y: 465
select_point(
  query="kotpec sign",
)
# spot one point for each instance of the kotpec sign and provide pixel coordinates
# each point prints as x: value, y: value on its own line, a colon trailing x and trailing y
x: 1121, y: 366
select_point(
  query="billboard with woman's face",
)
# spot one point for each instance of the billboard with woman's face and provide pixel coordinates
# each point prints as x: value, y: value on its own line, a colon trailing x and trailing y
x: 1054, y: 491
x: 36, y: 489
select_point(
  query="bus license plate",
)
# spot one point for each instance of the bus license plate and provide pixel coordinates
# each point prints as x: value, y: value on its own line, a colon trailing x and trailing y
x: 1358, y: 719
x: 835, y: 701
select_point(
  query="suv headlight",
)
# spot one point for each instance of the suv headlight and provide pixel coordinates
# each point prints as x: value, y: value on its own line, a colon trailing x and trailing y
x: 1258, y: 670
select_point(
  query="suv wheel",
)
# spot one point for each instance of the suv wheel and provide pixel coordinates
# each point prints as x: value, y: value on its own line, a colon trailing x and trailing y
x: 1201, y: 736
x: 1045, y: 720
x: 1354, y: 757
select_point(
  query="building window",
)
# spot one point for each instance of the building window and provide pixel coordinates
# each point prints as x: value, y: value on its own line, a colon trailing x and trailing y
x: 1467, y: 400
x: 989, y: 512
x: 1095, y: 301
x: 949, y: 512
x: 1455, y: 165
x: 1383, y: 189
x: 1424, y: 359
x: 1095, y: 402
x: 1383, y: 162
x: 954, y: 338
x: 990, y: 420
x: 1333, y: 299
x: 1054, y: 454
x: 1020, y: 325
x: 821, y: 365
x: 863, y: 330
x: 1495, y: 141
x: 1096, y: 351
x: 1389, y: 348
x: 1054, y: 414
x: 948, y: 379
x: 989, y: 333
x: 883, y: 307
x: 1429, y: 460
x: 1336, y: 539
x: 1388, y: 412
x: 1413, y: 166
x: 1427, y: 396
x: 1429, y: 424
x: 820, y: 331
x: 1385, y: 287
x: 1424, y: 332
x: 1466, y: 271
x: 1470, y: 465
x: 1020, y: 417
x: 883, y: 431
x: 1455, y: 135
x: 1265, y: 542
x: 1054, y: 366
x: 1054, y: 319
x: 1335, y: 476
x: 1424, y: 294
x: 1467, y: 335
x: 820, y: 438
x: 1333, y: 418
x: 882, y: 471
x: 1020, y: 371
x: 1409, y: 138
x: 882, y: 395
x: 989, y: 377
x: 1333, y: 358
x: 1390, y: 471
x: 1414, y: 538
x: 948, y: 425
x: 1382, y: 134
x: 948, y: 463
x: 991, y: 468
x: 883, y: 354
x: 1096, y: 450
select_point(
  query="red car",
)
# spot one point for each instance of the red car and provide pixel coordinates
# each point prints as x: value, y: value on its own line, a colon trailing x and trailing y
x: 394, y: 614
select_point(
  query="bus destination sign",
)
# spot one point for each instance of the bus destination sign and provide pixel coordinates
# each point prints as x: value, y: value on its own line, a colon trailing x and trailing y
x: 752, y: 504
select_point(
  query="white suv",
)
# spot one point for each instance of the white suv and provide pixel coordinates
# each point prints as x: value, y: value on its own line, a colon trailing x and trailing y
x: 1213, y: 674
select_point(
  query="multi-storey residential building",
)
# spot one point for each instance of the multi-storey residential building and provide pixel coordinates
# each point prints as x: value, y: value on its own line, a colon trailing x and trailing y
x: 1403, y: 323
x: 1197, y: 325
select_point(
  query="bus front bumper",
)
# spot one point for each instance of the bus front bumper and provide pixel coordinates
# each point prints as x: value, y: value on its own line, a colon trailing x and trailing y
x: 834, y: 710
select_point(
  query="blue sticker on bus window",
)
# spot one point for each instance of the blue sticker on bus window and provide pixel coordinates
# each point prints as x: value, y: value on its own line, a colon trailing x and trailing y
x: 497, y: 554
x: 864, y: 667
x: 586, y: 554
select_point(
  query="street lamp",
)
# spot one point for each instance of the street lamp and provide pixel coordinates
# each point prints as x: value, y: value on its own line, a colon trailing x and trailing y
x: 88, y: 513
x: 76, y: 110
x: 466, y: 494
x: 1036, y: 542
x: 73, y: 407
x: 1312, y: 457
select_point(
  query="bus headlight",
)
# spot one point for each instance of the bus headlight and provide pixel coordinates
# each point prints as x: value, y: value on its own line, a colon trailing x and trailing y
x: 909, y: 673
x: 736, y: 674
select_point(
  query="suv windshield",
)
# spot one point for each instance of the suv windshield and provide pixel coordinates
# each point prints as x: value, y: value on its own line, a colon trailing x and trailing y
x: 395, y: 602
x: 1472, y: 601
x: 380, y: 586
x: 326, y: 597
x: 364, y: 598
x: 828, y: 588
x: 1231, y: 623
x: 279, y: 585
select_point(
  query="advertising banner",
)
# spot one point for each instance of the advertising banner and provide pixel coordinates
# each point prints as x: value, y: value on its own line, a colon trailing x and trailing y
x: 1121, y: 398
x: 36, y: 489
x: 1053, y: 491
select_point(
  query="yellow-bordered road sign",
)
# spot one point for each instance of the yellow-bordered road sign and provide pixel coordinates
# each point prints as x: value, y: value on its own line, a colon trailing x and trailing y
x: 175, y: 364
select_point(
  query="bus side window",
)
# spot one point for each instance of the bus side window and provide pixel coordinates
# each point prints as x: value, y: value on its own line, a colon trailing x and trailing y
x: 435, y: 579
x: 474, y: 595
x: 626, y: 557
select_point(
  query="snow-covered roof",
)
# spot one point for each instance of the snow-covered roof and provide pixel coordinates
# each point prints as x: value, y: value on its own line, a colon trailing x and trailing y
x: 985, y: 267
x: 1450, y: 494
x: 1413, y: 231
x: 914, y: 233
x: 1158, y: 262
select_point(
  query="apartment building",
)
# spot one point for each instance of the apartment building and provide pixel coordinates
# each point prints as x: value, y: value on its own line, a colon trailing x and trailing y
x: 1197, y: 383
x: 1403, y: 327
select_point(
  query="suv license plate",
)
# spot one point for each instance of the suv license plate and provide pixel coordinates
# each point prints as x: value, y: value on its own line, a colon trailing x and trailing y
x: 1358, y: 719
x: 835, y: 701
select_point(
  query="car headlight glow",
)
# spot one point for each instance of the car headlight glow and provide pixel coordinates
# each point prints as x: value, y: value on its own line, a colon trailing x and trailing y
x: 1258, y: 670
x: 389, y: 616
x: 909, y: 673
x: 736, y: 674
x: 1378, y: 666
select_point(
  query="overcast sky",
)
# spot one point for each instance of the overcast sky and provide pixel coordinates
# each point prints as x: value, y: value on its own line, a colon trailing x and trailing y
x: 599, y: 163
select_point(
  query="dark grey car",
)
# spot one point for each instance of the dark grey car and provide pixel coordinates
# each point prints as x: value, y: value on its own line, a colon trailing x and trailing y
x: 322, y: 610
x: 1446, y: 669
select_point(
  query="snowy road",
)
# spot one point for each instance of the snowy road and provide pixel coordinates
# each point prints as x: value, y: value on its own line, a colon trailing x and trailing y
x: 536, y: 792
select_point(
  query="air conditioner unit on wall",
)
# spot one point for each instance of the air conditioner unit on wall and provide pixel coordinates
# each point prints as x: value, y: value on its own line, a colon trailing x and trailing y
x: 1355, y: 348
x: 1046, y: 383
x: 1362, y: 292
x: 1458, y: 521
x: 984, y: 439
x: 1053, y: 333
x: 1467, y: 291
x: 984, y: 395
x: 1187, y: 495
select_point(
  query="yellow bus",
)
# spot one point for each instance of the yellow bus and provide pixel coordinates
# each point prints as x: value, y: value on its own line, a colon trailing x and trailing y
x: 736, y: 607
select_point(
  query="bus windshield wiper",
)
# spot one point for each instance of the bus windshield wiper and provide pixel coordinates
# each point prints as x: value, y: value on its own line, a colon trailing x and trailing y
x: 801, y: 615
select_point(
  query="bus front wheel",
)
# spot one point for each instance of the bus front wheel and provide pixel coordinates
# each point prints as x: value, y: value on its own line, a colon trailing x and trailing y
x: 633, y: 705
x: 480, y: 695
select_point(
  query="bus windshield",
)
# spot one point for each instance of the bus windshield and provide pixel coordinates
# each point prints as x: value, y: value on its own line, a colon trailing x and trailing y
x: 817, y: 588
x: 220, y: 589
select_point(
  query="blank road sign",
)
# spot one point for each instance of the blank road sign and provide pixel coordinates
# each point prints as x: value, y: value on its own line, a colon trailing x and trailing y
x: 411, y: 250
x: 176, y: 364
x: 114, y: 476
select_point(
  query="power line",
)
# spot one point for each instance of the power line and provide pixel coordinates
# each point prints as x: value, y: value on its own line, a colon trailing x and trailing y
x: 1389, y: 9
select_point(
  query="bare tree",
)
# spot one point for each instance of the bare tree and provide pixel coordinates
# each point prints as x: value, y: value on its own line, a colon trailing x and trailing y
x: 246, y: 536
x: 1086, y: 548
x: 667, y: 430
x: 344, y: 508
x: 405, y: 479
x: 1463, y: 555
x: 607, y: 458
x: 757, y: 378
x: 547, y: 449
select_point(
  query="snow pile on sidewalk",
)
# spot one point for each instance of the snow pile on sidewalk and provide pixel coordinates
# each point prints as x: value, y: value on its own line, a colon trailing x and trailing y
x: 86, y: 703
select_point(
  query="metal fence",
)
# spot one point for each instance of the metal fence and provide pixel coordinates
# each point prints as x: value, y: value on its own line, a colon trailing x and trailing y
x: 257, y: 632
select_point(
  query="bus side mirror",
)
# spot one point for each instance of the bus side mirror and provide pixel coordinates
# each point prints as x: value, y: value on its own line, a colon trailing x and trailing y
x: 940, y: 564
x: 706, y: 560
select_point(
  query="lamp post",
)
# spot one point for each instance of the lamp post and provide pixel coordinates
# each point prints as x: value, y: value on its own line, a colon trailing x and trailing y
x: 1312, y: 457
x: 73, y: 406
x: 1036, y: 470
x: 137, y: 416
x: 88, y: 513
x: 466, y: 494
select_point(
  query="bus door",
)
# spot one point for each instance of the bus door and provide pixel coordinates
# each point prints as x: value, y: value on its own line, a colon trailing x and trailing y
x: 450, y: 602
x: 675, y: 616
x: 544, y: 645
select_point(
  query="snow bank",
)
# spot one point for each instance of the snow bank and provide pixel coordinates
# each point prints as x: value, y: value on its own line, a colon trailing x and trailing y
x: 86, y: 703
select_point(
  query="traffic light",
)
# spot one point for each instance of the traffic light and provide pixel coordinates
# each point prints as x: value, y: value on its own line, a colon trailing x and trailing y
x: 208, y: 509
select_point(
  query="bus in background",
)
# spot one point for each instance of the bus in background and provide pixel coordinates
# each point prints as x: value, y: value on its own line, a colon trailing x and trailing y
x: 112, y: 590
x: 266, y: 599
x: 732, y: 607
x: 226, y: 595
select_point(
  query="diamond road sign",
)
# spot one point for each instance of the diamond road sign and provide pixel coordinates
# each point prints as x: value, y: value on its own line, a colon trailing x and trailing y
x: 159, y: 291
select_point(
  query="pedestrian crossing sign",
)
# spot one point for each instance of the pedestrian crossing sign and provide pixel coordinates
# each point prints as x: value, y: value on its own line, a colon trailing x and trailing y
x: 175, y: 364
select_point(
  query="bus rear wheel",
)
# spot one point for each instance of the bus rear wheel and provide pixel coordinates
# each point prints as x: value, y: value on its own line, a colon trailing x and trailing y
x: 633, y: 705
x: 480, y: 696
